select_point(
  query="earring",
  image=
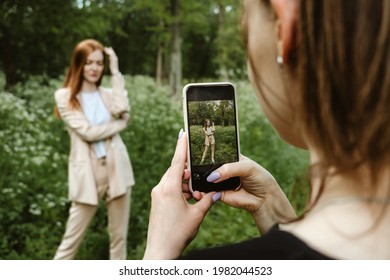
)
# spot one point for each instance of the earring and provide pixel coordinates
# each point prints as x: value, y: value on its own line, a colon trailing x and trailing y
x: 279, y: 60
x: 279, y: 44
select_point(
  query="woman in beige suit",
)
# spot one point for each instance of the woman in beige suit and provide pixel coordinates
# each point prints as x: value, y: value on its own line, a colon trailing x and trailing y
x: 99, y: 165
x: 209, y: 140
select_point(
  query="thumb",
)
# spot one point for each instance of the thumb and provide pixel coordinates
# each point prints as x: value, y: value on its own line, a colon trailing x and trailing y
x: 243, y: 168
x: 207, y: 201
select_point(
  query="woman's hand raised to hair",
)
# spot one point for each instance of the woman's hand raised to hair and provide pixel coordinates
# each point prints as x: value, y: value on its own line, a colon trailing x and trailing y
x: 174, y: 222
x: 259, y: 194
x: 114, y: 67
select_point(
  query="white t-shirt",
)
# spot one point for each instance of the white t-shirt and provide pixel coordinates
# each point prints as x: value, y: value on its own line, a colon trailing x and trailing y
x: 96, y: 113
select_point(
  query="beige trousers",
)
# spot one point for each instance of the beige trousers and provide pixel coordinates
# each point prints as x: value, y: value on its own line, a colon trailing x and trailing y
x: 80, y: 216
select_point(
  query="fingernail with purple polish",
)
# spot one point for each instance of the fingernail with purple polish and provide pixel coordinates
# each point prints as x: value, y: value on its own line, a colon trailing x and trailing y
x: 180, y: 133
x: 214, y: 176
x: 217, y: 196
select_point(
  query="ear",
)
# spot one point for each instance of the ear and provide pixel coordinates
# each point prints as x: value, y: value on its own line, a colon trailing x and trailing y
x: 286, y: 11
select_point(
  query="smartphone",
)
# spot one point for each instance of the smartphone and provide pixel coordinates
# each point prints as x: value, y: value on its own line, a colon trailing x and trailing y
x: 210, y: 119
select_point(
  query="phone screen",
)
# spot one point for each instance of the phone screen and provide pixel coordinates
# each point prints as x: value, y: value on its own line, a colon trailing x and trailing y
x: 212, y: 126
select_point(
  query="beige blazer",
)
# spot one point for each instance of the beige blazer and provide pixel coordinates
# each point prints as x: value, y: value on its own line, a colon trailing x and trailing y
x: 81, y: 178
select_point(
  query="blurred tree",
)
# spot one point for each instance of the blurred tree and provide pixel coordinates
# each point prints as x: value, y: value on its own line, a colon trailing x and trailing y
x: 212, y: 44
x: 225, y: 113
x: 167, y: 39
x: 175, y: 73
x: 38, y: 37
x: 26, y: 30
x: 231, y: 56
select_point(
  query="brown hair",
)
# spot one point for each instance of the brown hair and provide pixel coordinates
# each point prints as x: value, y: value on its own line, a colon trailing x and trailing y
x: 74, y: 77
x: 341, y: 59
x: 343, y: 70
x: 205, y: 123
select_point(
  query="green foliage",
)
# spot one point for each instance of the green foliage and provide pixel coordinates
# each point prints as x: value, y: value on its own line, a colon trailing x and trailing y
x: 37, y: 37
x: 218, y: 112
x: 33, y: 160
x: 33, y: 184
x: 151, y: 140
x: 225, y: 144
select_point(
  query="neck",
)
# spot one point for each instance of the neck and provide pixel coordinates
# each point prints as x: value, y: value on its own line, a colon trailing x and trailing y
x: 88, y: 87
x: 357, y: 183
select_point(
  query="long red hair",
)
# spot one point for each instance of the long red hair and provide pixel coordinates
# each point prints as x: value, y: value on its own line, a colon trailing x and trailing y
x: 74, y: 77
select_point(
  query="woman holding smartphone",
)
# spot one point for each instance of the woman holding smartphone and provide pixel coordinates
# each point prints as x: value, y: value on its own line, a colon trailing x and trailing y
x: 209, y: 141
x: 99, y: 165
x: 321, y: 71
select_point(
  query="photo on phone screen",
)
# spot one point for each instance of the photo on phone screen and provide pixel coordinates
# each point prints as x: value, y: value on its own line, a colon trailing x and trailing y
x: 210, y: 115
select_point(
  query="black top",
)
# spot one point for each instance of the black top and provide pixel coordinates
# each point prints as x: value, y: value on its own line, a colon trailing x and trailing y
x: 275, y: 245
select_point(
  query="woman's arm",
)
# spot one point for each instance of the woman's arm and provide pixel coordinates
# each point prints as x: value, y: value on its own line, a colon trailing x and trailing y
x: 276, y: 208
x: 77, y: 121
x: 174, y: 222
x: 119, y: 96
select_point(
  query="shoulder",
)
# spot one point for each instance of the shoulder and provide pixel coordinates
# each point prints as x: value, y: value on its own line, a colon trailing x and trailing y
x: 276, y: 245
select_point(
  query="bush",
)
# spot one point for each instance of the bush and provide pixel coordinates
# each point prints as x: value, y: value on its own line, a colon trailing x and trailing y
x: 33, y: 160
x: 225, y: 144
x: 33, y: 184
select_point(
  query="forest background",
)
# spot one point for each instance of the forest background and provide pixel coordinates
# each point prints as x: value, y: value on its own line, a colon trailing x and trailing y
x: 161, y: 45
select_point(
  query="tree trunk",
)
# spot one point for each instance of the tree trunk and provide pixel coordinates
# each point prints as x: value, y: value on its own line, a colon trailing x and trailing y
x: 159, y: 63
x: 224, y: 73
x: 7, y: 58
x: 175, y: 75
x: 159, y: 60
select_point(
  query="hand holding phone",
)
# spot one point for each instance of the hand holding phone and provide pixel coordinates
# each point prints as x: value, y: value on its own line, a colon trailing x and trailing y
x: 210, y: 117
x: 173, y: 221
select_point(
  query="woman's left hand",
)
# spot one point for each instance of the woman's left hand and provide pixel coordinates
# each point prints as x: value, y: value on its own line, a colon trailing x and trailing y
x: 114, y: 68
x: 174, y: 222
